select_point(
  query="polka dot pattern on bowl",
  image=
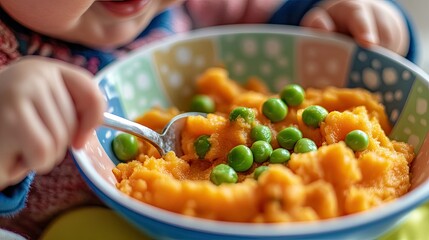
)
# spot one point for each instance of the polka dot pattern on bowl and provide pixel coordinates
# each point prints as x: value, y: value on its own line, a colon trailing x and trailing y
x: 139, y: 88
x: 323, y: 63
x: 413, y: 124
x: 178, y: 66
x: 267, y: 56
x: 383, y: 76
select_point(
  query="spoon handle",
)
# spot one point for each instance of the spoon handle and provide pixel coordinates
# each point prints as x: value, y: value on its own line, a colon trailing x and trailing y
x: 125, y: 125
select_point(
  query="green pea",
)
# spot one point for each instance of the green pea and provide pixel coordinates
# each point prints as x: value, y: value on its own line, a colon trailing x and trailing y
x: 261, y: 132
x: 202, y: 103
x: 202, y: 146
x: 288, y: 137
x: 240, y: 158
x: 305, y: 145
x: 280, y: 155
x: 274, y: 109
x: 261, y: 151
x: 357, y: 140
x: 313, y: 115
x: 258, y: 171
x: 125, y: 146
x: 223, y: 173
x: 242, y: 112
x: 292, y: 95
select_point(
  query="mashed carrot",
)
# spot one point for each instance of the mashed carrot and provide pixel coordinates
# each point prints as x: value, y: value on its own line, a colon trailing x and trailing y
x: 330, y: 182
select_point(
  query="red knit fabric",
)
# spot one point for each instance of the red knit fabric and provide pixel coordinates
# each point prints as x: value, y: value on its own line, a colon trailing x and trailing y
x: 8, y: 46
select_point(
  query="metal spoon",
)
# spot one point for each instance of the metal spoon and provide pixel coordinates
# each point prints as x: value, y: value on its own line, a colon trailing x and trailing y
x: 168, y: 140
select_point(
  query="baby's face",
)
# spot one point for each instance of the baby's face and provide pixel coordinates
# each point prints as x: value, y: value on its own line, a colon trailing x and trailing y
x: 94, y: 23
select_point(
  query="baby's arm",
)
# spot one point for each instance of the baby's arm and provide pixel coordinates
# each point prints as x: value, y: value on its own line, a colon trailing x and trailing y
x: 45, y: 106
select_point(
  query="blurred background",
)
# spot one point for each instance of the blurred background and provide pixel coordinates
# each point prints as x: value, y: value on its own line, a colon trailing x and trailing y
x: 417, y: 10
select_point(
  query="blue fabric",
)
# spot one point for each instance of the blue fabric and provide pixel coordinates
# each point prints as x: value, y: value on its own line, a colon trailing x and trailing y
x: 13, y: 198
x: 292, y: 12
x: 162, y: 21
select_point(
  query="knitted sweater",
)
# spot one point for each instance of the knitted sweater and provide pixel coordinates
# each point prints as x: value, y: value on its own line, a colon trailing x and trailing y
x: 27, y: 207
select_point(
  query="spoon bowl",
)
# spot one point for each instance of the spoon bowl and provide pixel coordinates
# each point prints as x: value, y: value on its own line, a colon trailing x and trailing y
x: 168, y: 140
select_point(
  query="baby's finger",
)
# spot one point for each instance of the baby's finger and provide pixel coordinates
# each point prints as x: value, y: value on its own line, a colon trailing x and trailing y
x: 10, y: 146
x: 318, y: 18
x: 362, y: 25
x: 50, y: 115
x: 38, y: 149
x: 392, y: 28
x: 17, y: 171
x: 65, y: 107
x: 88, y: 101
x: 13, y: 169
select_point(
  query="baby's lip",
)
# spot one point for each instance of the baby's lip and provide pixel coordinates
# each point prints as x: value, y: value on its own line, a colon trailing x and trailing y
x: 124, y: 8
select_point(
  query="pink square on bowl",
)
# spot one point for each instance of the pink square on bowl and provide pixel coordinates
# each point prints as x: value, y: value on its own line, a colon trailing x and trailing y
x: 321, y: 62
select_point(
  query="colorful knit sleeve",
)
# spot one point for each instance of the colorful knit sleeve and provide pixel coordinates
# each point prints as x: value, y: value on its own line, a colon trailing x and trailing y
x: 13, y: 198
x: 292, y: 12
x: 8, y: 45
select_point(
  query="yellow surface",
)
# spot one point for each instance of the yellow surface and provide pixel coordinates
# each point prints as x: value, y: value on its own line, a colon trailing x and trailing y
x: 414, y: 227
x: 101, y: 223
x: 91, y: 223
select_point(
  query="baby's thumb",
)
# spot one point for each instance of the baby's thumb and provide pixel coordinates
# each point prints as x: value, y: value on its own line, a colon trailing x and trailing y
x: 362, y: 26
x: 88, y: 100
x: 318, y: 18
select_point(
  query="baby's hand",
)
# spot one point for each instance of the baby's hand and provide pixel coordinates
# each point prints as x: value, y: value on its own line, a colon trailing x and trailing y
x: 45, y: 106
x: 368, y: 21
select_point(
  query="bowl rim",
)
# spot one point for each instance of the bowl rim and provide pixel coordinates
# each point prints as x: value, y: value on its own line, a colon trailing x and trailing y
x: 394, y: 208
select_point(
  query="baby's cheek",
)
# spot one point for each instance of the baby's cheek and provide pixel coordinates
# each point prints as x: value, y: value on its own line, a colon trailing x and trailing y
x: 46, y: 16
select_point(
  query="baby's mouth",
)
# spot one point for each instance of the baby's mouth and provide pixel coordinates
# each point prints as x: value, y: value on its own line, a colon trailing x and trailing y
x: 124, y: 8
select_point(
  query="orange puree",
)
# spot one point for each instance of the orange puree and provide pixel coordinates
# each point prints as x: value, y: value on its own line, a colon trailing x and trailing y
x: 330, y: 182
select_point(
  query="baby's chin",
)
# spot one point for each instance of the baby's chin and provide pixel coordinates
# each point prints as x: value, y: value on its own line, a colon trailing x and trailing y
x: 104, y: 43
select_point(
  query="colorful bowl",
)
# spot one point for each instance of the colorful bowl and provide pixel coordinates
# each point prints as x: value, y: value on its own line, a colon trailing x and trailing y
x: 163, y: 74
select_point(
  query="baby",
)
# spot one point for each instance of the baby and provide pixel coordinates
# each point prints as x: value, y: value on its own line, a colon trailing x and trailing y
x: 49, y: 50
